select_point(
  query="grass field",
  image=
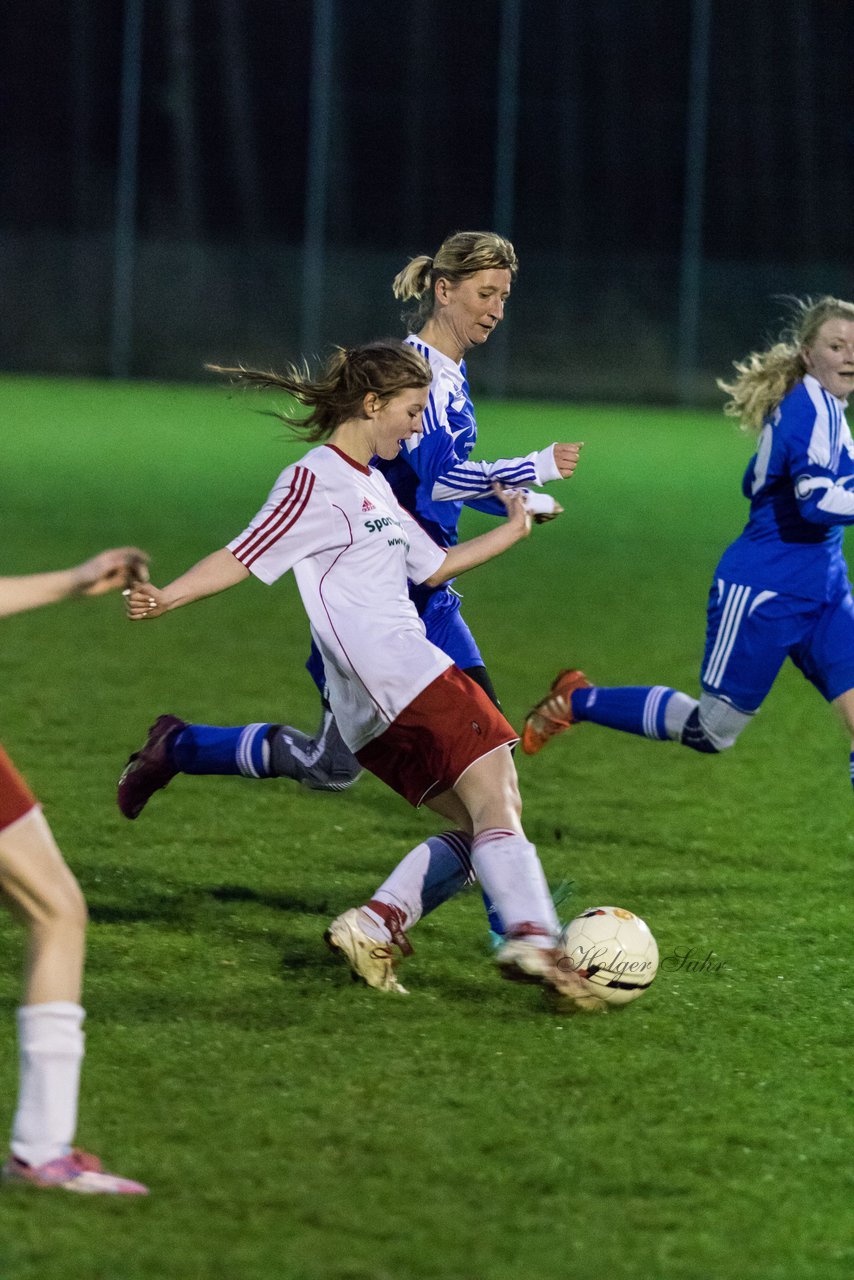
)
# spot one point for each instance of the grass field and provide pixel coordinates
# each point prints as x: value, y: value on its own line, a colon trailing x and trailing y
x: 295, y: 1127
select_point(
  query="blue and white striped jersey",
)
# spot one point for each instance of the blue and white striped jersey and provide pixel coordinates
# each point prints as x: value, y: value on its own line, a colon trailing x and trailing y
x: 800, y: 484
x: 433, y: 475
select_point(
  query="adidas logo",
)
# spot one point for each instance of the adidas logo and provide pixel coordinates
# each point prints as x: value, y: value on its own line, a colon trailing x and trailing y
x: 367, y: 505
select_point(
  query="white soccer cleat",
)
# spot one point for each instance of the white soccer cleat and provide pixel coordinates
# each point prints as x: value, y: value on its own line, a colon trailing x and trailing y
x: 522, y: 961
x: 573, y: 993
x: 371, y: 962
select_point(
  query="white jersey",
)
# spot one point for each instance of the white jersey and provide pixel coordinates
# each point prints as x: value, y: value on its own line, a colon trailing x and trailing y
x: 352, y: 547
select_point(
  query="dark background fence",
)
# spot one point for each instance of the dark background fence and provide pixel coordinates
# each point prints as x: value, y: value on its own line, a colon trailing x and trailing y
x: 242, y: 178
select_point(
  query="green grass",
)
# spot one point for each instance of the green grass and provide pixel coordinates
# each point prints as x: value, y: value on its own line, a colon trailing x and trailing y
x: 295, y: 1127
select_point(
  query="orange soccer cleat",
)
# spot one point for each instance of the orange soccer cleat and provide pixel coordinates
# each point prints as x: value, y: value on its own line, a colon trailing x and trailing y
x: 553, y: 714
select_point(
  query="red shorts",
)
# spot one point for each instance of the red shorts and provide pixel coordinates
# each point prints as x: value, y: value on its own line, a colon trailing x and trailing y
x: 433, y: 741
x: 16, y: 799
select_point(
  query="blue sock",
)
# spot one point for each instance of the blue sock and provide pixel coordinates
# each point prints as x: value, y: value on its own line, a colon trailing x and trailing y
x: 206, y: 748
x: 638, y: 709
x: 497, y: 927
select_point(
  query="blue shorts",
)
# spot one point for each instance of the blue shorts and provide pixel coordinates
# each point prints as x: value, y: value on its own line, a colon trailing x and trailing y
x: 750, y: 633
x: 446, y: 629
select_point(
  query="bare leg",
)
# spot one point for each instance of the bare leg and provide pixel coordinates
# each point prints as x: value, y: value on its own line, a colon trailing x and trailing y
x: 42, y: 892
x: 45, y: 897
x: 845, y: 705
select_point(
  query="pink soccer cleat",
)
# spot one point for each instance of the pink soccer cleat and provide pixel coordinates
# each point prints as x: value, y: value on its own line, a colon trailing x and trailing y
x: 79, y: 1172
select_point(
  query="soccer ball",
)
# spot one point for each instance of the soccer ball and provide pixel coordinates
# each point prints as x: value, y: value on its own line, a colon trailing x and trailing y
x: 614, y: 952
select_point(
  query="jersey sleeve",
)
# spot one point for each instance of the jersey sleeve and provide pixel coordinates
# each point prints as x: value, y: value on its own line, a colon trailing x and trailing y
x: 821, y: 467
x: 538, y: 504
x: 452, y: 479
x: 448, y: 477
x: 292, y: 525
x: 824, y: 498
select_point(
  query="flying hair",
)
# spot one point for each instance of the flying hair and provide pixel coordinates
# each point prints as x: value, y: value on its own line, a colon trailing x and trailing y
x: 336, y: 391
x: 764, y: 378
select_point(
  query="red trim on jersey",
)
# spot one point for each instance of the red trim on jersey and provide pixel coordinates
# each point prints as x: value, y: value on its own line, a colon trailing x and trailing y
x: 443, y: 731
x: 16, y: 799
x: 366, y: 471
x: 279, y: 521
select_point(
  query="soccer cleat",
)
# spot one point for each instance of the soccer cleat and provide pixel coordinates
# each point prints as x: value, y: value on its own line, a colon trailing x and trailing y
x: 79, y: 1172
x: 522, y: 961
x: 371, y: 962
x: 570, y: 992
x: 150, y: 768
x: 553, y: 714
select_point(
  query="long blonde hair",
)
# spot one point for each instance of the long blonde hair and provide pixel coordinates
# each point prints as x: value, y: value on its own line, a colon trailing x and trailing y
x: 764, y: 378
x: 336, y: 392
x: 461, y: 255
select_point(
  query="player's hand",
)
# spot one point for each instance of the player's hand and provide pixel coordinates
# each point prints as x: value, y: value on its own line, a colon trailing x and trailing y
x: 143, y: 601
x: 518, y: 516
x: 110, y: 571
x: 566, y: 457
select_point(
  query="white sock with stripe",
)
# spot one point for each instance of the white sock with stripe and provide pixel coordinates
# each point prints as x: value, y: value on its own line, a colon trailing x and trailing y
x: 650, y: 711
x: 430, y: 873
x: 510, y: 874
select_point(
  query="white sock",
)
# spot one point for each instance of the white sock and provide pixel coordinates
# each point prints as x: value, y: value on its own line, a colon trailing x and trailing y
x: 676, y: 713
x: 430, y: 873
x: 50, y: 1041
x: 510, y: 875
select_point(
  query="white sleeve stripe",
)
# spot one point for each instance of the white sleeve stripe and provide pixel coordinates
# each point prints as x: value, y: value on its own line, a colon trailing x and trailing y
x: 515, y: 474
x: 837, y: 499
x: 833, y: 416
x: 763, y: 457
x: 474, y: 483
x: 819, y: 446
x: 429, y: 415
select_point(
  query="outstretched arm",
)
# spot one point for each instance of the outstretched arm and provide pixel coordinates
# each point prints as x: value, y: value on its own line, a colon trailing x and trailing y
x: 468, y: 555
x: 215, y: 573
x: 437, y: 464
x: 108, y: 571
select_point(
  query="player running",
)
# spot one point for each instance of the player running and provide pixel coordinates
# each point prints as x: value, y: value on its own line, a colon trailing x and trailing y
x: 781, y: 589
x: 403, y: 708
x: 44, y: 895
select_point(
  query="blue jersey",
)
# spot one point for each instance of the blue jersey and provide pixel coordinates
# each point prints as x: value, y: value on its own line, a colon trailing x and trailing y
x: 434, y: 476
x: 800, y: 484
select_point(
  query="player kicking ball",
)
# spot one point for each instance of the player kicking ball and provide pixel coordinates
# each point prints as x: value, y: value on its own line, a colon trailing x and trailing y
x: 407, y: 713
